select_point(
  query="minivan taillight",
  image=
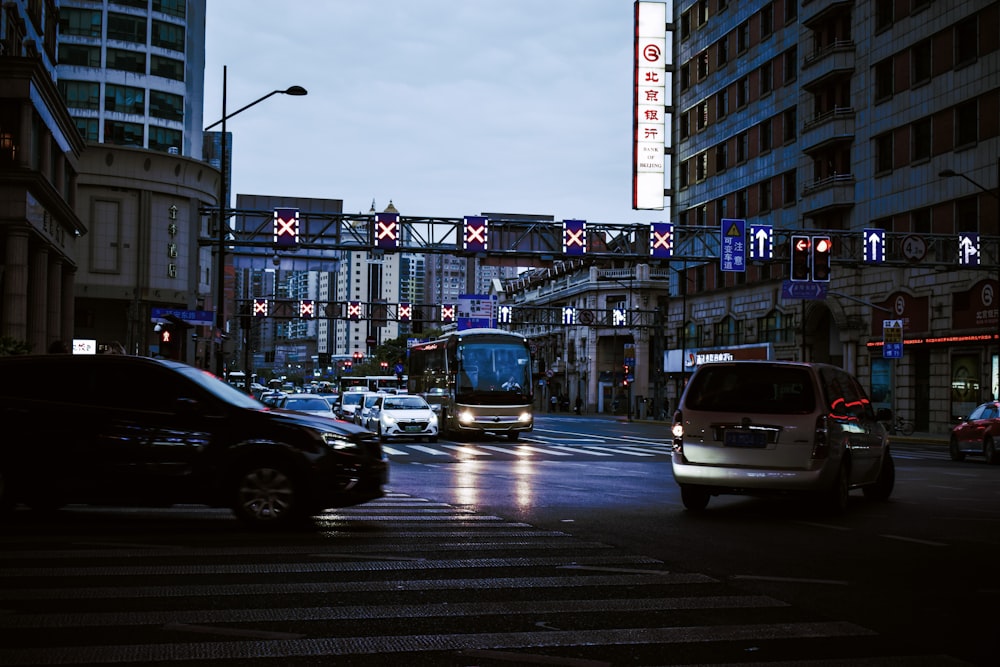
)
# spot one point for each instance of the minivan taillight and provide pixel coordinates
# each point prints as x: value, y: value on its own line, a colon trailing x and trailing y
x: 821, y: 440
x: 677, y: 430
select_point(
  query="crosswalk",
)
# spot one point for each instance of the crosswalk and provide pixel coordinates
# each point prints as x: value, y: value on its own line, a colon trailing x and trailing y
x: 402, y: 580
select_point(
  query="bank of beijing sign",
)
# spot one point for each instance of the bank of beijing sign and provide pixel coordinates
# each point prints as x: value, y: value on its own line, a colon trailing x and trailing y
x: 652, y: 89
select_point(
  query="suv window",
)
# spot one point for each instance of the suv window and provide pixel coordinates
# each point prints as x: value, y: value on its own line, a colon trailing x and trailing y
x: 752, y: 388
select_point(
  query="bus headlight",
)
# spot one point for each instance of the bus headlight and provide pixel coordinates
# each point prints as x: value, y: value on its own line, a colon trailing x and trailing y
x: 524, y: 418
x: 466, y: 417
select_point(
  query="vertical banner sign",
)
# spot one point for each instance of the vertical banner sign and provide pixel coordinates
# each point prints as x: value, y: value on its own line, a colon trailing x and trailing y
x: 405, y: 312
x: 734, y: 246
x: 307, y: 309
x: 968, y: 248
x: 574, y: 237
x: 661, y: 240
x: 892, y: 339
x: 387, y: 231
x: 286, y: 227
x: 761, y: 242
x: 260, y: 307
x: 447, y: 313
x: 651, y: 87
x: 874, y: 246
x: 354, y: 310
x: 475, y: 238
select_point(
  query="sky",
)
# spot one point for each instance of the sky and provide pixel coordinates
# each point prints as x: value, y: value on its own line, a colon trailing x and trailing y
x: 445, y: 107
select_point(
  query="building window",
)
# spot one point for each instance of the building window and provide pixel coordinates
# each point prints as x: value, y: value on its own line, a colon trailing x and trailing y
x: 722, y: 51
x: 81, y: 94
x: 883, y: 14
x: 88, y: 128
x: 685, y: 25
x: 701, y: 166
x: 764, y: 134
x: 920, y: 56
x: 967, y: 215
x: 170, y: 7
x: 743, y: 37
x: 766, y: 78
x: 791, y: 11
x: 685, y: 125
x: 728, y: 332
x: 721, y: 208
x: 702, y: 65
x: 82, y: 22
x: 701, y: 215
x: 920, y: 221
x: 163, y: 138
x: 764, y: 195
x: 790, y: 64
x: 788, y: 186
x: 742, y: 92
x: 685, y: 76
x: 165, y: 105
x: 789, y: 122
x: 702, y: 12
x: 682, y: 175
x: 883, y: 153
x: 883, y: 80
x: 127, y: 61
x: 721, y: 157
x: 126, y: 99
x: 966, y: 123
x: 126, y: 28
x: 702, y: 118
x: 722, y: 103
x: 741, y: 203
x: 122, y: 134
x: 742, y: 147
x: 168, y: 68
x: 920, y: 137
x: 168, y: 36
x: 80, y: 55
x: 966, y: 41
x: 775, y: 327
x: 766, y: 21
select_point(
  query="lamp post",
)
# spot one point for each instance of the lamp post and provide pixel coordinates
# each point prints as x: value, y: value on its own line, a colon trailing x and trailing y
x: 950, y: 173
x: 220, y: 252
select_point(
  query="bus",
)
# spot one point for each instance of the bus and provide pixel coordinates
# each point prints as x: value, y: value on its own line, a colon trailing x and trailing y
x: 477, y: 380
x: 371, y: 383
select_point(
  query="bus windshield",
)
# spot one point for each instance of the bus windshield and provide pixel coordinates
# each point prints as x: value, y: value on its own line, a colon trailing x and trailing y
x: 486, y: 366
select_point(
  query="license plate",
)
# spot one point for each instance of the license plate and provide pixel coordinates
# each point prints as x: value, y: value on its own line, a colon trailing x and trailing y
x: 413, y: 428
x: 742, y: 438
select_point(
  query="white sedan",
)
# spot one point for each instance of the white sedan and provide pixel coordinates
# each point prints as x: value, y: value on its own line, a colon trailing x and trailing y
x: 403, y: 416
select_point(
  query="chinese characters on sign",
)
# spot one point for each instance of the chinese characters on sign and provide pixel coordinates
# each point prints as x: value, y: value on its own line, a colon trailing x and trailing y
x: 651, y: 123
x: 734, y: 247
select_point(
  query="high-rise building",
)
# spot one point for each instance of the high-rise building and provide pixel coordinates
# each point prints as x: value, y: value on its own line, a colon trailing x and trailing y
x: 132, y: 71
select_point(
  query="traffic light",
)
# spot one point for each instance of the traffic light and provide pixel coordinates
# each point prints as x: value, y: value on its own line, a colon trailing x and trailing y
x: 801, y: 255
x: 168, y: 342
x: 626, y: 369
x: 822, y: 247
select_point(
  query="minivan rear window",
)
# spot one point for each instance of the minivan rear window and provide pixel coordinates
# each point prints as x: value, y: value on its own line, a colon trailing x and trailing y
x: 751, y: 388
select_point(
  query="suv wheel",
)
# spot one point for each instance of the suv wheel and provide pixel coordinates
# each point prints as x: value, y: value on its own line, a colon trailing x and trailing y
x: 882, y: 488
x: 953, y: 449
x: 266, y: 496
x: 695, y: 498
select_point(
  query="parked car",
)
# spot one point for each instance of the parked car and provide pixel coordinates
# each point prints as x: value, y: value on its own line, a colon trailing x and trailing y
x: 135, y: 431
x: 771, y: 427
x: 404, y: 416
x: 307, y: 403
x: 977, y: 434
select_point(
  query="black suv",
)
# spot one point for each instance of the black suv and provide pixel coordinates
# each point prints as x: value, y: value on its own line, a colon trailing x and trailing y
x: 124, y: 430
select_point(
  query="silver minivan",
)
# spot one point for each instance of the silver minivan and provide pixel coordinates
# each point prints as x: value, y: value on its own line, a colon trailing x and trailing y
x: 771, y: 427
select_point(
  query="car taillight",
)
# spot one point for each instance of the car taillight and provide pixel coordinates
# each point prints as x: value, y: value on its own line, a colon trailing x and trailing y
x: 821, y: 440
x: 677, y: 430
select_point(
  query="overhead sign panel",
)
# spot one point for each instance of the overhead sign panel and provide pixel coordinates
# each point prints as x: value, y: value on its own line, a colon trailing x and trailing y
x: 475, y: 230
x: 286, y: 227
x: 387, y: 231
x: 661, y: 240
x: 734, y: 246
x: 874, y: 246
x: 574, y: 237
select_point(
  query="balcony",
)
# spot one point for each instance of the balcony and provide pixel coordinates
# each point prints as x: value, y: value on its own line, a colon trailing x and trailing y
x: 828, y: 193
x: 814, y: 13
x: 830, y: 62
x: 828, y: 127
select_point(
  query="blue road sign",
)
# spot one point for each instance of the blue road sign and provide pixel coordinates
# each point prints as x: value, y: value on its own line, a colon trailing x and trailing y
x: 874, y: 246
x: 802, y: 290
x: 761, y: 242
x: 734, y: 245
x: 968, y: 248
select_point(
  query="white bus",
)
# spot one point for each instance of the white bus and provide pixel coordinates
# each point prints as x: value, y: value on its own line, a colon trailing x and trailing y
x: 478, y: 380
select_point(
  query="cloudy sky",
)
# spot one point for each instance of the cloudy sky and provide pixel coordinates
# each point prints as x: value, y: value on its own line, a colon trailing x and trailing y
x: 446, y: 107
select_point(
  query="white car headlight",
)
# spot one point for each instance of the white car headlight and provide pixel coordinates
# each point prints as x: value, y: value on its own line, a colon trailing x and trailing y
x: 433, y: 420
x: 337, y: 441
x: 389, y: 419
x: 466, y: 417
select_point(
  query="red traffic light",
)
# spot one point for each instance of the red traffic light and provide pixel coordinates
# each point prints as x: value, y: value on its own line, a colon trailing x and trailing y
x: 822, y: 248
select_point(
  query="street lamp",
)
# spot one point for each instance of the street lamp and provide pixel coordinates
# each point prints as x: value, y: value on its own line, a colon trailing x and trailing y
x: 220, y: 294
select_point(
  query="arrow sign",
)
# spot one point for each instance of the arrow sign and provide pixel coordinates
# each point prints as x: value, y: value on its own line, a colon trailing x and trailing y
x: 874, y: 246
x: 791, y: 289
x: 761, y: 242
x: 968, y: 249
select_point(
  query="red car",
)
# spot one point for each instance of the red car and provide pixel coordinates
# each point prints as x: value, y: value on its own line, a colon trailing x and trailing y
x: 977, y: 434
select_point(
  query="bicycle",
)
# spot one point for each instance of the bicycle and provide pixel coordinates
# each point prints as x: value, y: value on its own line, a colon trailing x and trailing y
x: 899, y: 426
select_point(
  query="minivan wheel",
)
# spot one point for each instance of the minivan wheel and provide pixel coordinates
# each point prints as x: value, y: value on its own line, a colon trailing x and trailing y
x: 836, y: 497
x: 882, y: 488
x: 266, y: 496
x: 953, y: 449
x: 695, y: 498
